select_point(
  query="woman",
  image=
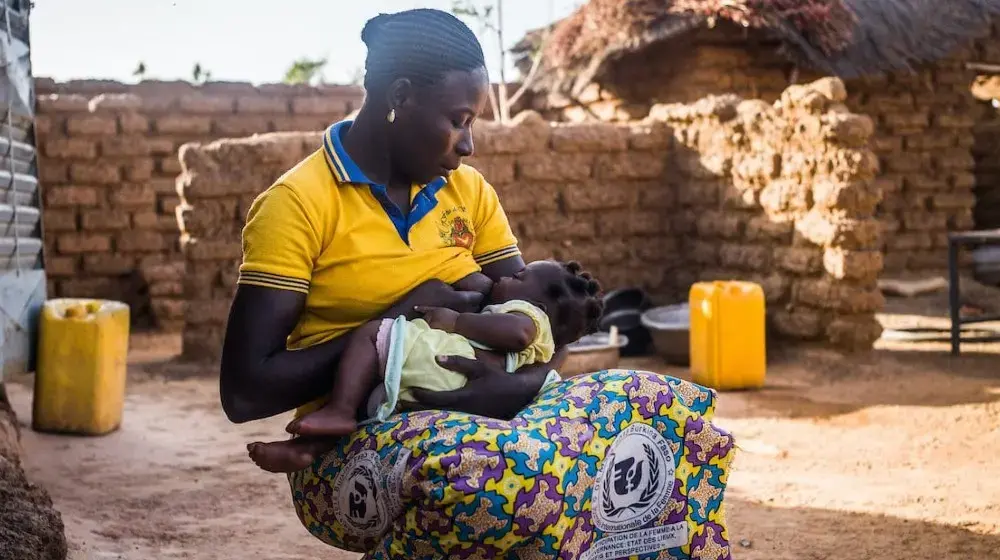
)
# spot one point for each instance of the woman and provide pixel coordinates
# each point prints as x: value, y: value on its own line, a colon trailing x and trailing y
x: 382, y: 218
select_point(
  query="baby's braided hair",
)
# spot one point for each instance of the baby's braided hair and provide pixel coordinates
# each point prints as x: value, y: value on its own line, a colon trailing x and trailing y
x: 585, y: 304
x: 421, y: 44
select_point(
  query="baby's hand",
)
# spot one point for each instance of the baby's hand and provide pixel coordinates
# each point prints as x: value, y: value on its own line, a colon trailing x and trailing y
x: 439, y: 318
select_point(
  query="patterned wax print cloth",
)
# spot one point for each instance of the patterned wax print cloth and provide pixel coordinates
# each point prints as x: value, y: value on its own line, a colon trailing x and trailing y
x: 616, y: 464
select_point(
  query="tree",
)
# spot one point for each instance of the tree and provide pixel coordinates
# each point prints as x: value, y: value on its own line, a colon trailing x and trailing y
x: 489, y: 15
x: 305, y: 71
x: 140, y: 70
x: 199, y: 75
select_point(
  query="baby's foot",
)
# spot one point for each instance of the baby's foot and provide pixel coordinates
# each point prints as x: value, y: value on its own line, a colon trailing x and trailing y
x: 326, y: 421
x: 281, y: 456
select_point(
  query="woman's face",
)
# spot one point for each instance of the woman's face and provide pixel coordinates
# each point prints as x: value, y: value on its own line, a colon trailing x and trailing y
x: 432, y: 132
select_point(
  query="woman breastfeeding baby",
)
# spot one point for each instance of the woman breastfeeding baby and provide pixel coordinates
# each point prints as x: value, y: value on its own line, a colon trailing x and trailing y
x: 545, y: 306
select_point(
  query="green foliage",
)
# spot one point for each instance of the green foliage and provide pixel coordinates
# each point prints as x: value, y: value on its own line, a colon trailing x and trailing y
x: 305, y: 71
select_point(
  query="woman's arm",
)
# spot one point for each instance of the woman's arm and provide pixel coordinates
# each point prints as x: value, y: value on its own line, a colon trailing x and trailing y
x: 259, y: 377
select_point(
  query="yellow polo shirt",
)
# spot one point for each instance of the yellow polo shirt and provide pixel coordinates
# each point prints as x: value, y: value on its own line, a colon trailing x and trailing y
x: 326, y: 230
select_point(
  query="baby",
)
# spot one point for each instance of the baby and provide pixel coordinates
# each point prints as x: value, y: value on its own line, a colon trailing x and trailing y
x: 545, y: 306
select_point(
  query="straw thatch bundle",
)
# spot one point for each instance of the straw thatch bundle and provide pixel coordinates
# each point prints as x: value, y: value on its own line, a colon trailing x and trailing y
x: 847, y: 38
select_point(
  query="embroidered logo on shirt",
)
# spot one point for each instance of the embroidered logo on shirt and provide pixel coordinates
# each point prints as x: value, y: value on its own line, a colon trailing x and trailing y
x: 455, y: 230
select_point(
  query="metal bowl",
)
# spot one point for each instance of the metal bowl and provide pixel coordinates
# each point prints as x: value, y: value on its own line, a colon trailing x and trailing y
x: 670, y: 329
x: 593, y: 353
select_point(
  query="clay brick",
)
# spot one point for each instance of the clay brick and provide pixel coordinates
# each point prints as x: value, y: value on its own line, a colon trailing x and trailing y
x: 924, y: 221
x: 497, y: 170
x: 526, y: 138
x: 133, y: 195
x: 649, y: 137
x: 798, y: 322
x: 884, y: 145
x: 928, y: 142
x: 202, y: 345
x: 108, y: 264
x: 162, y: 146
x: 71, y: 148
x: 762, y: 228
x: 854, y: 333
x: 725, y: 225
x: 630, y: 165
x: 906, y: 120
x: 61, y: 267
x: 200, y: 104
x: 656, y: 196
x: 957, y: 159
x: 170, y: 165
x: 241, y: 125
x: 54, y: 219
x: 139, y: 170
x: 601, y: 137
x: 831, y: 231
x: 961, y: 220
x: 905, y: 241
x: 52, y: 172
x: 785, y: 196
x: 945, y: 120
x: 140, y: 242
x: 213, y: 250
x: 556, y: 228
x: 162, y: 289
x: 75, y: 243
x: 71, y: 103
x: 104, y: 219
x: 260, y: 104
x: 755, y: 258
x: 861, y: 266
x: 799, y: 260
x: 526, y: 196
x: 145, y: 219
x: 165, y: 309
x: 297, y: 123
x: 157, y: 270
x: 905, y: 162
x: 962, y: 181
x: 130, y: 123
x: 599, y: 196
x: 98, y: 173
x: 700, y: 193
x: 838, y: 296
x: 326, y: 105
x: 46, y: 124
x: 545, y: 167
x: 856, y: 198
x: 124, y: 146
x: 72, y: 195
x: 183, y: 124
x: 949, y: 201
x: 100, y: 287
x: 92, y: 125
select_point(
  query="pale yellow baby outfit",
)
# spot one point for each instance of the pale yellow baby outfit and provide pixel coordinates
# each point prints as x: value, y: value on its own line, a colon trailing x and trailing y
x: 408, y: 351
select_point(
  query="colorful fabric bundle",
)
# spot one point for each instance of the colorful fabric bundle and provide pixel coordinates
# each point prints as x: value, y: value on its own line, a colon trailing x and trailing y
x: 615, y: 464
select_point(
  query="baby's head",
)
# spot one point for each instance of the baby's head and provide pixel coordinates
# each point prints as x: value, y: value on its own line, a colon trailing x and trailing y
x: 567, y: 294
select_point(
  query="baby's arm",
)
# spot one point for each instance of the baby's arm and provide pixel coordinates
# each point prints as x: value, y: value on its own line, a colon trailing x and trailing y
x: 503, y: 332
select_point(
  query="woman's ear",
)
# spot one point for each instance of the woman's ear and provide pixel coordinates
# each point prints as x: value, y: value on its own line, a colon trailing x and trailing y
x: 399, y: 93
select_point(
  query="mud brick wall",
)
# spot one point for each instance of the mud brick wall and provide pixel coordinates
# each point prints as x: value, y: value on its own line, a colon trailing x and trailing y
x: 783, y: 195
x: 720, y: 189
x: 923, y: 124
x: 108, y: 167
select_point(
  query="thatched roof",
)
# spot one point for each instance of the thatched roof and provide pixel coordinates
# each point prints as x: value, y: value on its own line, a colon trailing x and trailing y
x: 846, y: 38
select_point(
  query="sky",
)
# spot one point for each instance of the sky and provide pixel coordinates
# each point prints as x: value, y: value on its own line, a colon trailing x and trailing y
x: 236, y: 40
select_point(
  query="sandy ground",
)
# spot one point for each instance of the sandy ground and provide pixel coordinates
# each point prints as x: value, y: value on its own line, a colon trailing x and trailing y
x: 895, y: 455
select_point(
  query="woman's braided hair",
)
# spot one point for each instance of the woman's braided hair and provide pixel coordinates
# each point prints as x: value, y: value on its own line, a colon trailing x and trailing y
x: 580, y: 313
x: 421, y: 45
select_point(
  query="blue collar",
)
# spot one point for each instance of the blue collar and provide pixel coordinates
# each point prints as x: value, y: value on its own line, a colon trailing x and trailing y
x: 347, y: 172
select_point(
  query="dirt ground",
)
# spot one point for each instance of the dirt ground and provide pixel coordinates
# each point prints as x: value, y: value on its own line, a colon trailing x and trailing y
x: 893, y: 455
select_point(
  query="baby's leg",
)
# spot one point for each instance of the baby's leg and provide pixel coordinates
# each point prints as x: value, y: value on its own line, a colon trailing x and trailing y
x: 288, y: 456
x: 357, y: 375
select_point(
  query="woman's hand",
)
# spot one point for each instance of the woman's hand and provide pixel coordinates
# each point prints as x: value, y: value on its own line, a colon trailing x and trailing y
x: 435, y: 293
x: 440, y: 318
x: 490, y: 391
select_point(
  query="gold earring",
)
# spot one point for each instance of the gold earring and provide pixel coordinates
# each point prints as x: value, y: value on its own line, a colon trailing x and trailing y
x: 392, y: 116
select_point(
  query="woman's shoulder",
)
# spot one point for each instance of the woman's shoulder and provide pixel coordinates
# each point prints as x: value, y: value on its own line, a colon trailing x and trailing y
x: 469, y: 181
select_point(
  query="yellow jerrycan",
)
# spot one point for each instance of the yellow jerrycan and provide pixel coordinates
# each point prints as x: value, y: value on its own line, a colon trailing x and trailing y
x: 80, y: 378
x: 728, y: 340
